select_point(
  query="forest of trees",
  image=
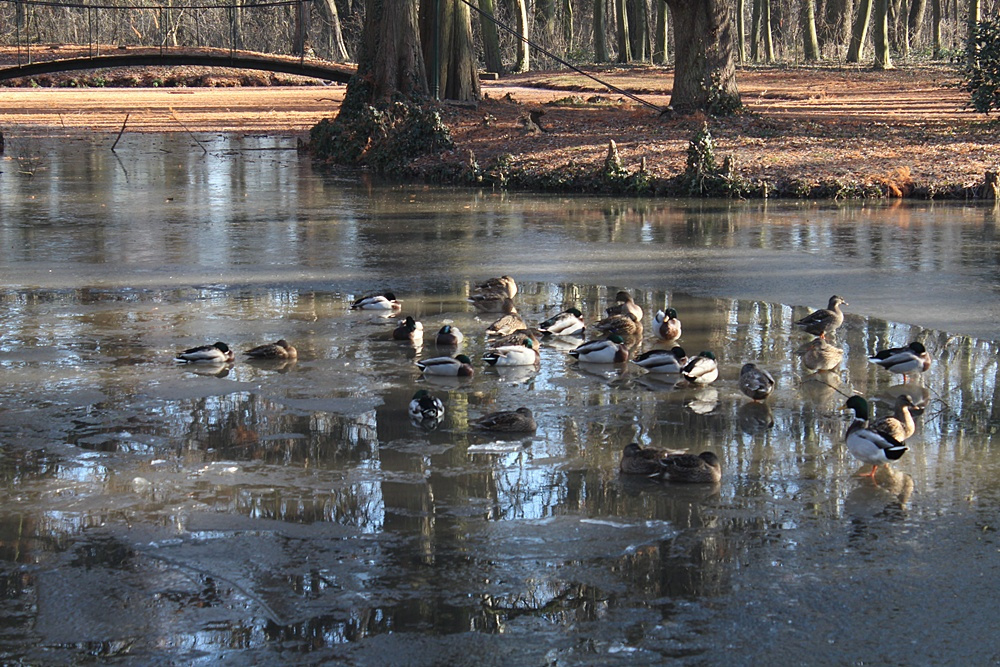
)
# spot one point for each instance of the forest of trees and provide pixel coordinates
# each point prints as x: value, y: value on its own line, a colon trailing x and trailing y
x: 881, y: 33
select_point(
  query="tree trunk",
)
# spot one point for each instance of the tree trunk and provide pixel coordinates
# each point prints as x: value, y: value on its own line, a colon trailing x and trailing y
x: 898, y: 34
x: 859, y: 32
x: 638, y: 28
x: 880, y: 35
x: 741, y: 31
x: 660, y: 41
x: 704, y: 66
x: 936, y: 28
x: 600, y: 37
x: 915, y: 20
x: 332, y: 35
x: 755, y: 30
x: 765, y: 20
x: 457, y: 67
x: 300, y: 36
x: 810, y: 41
x: 491, y: 38
x: 545, y: 16
x: 839, y: 14
x: 567, y: 21
x: 389, y: 57
x: 624, y: 43
x: 522, y: 58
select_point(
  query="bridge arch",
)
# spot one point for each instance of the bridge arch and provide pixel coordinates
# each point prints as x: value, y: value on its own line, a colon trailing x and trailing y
x: 299, y: 67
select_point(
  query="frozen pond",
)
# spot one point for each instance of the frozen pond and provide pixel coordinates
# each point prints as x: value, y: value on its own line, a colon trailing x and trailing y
x: 158, y: 513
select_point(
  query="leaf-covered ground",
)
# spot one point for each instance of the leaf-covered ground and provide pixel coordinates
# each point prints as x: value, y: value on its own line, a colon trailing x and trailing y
x: 807, y: 131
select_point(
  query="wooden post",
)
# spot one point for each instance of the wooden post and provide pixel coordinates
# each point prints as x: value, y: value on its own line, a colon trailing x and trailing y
x: 301, y: 34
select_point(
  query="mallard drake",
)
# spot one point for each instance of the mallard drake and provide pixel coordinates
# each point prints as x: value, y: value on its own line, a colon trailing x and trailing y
x: 386, y: 301
x: 492, y: 303
x: 408, y: 329
x: 515, y: 338
x: 567, y: 323
x: 507, y: 323
x: 662, y: 361
x: 515, y: 421
x: 624, y: 305
x: 866, y: 444
x: 278, y: 350
x: 913, y: 358
x: 513, y: 355
x: 504, y: 285
x: 449, y: 336
x: 704, y: 468
x: 755, y: 382
x: 819, y: 355
x: 824, y: 321
x: 623, y: 324
x: 666, y: 325
x: 457, y: 366
x: 216, y: 353
x: 639, y: 460
x: 425, y: 406
x: 899, y: 425
x: 610, y: 350
x: 702, y: 369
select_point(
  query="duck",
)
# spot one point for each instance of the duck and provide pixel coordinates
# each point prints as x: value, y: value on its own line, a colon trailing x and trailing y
x: 515, y: 338
x: 457, y: 366
x: 819, y: 355
x: 913, y: 358
x: 704, y: 468
x: 824, y: 321
x: 503, y: 285
x: 569, y: 322
x: 408, y: 329
x: 625, y: 306
x: 666, y: 325
x: 424, y: 406
x: 277, y: 350
x: 899, y: 425
x: 610, y: 350
x: 662, y: 361
x: 702, y: 369
x: 449, y: 336
x: 216, y: 353
x: 868, y: 445
x: 513, y: 355
x: 514, y: 421
x: 639, y: 460
x: 623, y: 324
x: 386, y: 301
x: 755, y: 382
x: 508, y: 323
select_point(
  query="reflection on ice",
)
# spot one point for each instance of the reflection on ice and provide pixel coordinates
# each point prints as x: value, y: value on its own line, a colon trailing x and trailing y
x: 293, y: 506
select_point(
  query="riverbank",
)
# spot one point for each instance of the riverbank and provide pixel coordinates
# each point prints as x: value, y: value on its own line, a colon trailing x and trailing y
x: 816, y: 132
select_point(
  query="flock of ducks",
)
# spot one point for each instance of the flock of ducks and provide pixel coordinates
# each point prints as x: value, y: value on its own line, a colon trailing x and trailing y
x: 515, y: 343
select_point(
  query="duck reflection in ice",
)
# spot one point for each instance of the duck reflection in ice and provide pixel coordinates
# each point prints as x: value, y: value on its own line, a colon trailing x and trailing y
x: 755, y: 417
x: 821, y: 388
x: 702, y: 401
x: 819, y: 355
x: 514, y: 374
x: 885, y: 496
